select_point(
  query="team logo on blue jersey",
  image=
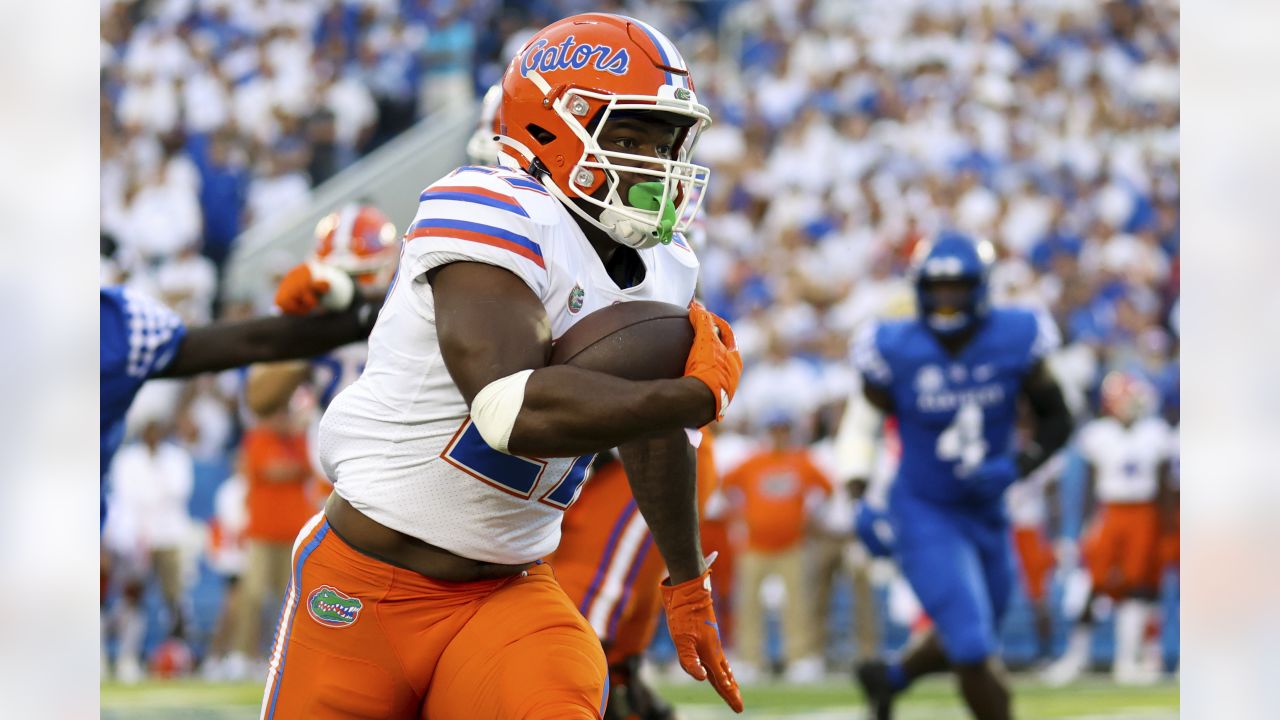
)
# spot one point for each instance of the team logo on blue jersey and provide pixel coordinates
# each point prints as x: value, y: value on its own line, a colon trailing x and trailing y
x: 576, y: 296
x: 543, y: 57
x: 929, y: 379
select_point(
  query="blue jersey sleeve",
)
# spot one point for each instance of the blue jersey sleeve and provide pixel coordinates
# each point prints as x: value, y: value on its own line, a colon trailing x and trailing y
x: 138, y: 338
x: 152, y: 334
x: 868, y: 357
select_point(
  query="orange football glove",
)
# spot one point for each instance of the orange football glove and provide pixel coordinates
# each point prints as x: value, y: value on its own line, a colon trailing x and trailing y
x: 714, y: 357
x: 299, y: 291
x: 310, y: 285
x: 692, y: 622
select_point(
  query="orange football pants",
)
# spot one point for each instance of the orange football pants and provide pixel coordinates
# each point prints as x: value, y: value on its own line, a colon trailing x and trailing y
x: 1037, y: 560
x: 1171, y: 543
x: 607, y: 562
x: 359, y: 638
x: 608, y: 566
x: 1120, y: 548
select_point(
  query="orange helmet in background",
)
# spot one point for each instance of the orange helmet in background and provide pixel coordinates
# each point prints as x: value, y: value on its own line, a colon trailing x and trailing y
x: 559, y: 92
x: 361, y: 241
x: 1127, y: 397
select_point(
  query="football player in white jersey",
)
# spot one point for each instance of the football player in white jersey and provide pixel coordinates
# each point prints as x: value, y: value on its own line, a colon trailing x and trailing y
x: 1128, y: 452
x: 356, y: 252
x: 418, y: 592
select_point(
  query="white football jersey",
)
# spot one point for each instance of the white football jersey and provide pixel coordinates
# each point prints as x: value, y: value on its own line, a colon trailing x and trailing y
x: 399, y: 444
x: 332, y: 373
x: 1126, y: 461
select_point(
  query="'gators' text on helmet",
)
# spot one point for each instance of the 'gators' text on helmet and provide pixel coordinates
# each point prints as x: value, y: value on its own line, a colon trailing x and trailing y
x: 561, y: 91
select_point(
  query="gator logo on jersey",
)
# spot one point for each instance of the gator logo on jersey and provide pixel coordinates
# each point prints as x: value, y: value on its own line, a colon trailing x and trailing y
x: 568, y: 54
x: 576, y: 296
x: 331, y: 607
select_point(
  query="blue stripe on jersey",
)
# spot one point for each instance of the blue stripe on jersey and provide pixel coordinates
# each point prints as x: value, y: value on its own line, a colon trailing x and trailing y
x: 526, y: 183
x: 472, y: 198
x: 475, y: 227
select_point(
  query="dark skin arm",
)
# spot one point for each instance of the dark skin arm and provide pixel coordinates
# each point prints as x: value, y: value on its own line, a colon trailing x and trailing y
x: 661, y: 471
x: 271, y: 385
x: 1053, y: 421
x: 225, y: 345
x: 490, y: 325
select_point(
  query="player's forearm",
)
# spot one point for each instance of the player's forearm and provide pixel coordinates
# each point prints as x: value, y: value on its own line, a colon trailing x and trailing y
x: 226, y: 345
x: 855, y: 443
x: 568, y: 411
x: 1051, y: 434
x: 1053, y: 421
x: 662, y: 472
x: 271, y: 385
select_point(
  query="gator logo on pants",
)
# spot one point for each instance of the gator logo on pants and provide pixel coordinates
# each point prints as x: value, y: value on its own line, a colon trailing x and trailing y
x: 331, y: 607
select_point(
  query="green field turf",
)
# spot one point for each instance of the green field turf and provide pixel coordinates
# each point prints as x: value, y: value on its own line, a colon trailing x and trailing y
x: 934, y: 699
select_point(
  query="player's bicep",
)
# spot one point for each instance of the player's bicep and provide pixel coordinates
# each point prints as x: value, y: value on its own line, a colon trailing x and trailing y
x: 1043, y: 393
x: 202, y: 349
x: 270, y: 385
x: 879, y: 397
x: 489, y: 322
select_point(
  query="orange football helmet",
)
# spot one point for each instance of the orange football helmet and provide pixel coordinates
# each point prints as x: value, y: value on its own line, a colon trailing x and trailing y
x: 566, y: 83
x: 360, y: 241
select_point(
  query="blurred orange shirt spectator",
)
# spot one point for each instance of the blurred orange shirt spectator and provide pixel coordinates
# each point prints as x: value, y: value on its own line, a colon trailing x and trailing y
x: 773, y: 489
x: 278, y: 470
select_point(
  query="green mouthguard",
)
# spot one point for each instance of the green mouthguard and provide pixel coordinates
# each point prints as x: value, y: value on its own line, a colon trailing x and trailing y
x: 648, y: 196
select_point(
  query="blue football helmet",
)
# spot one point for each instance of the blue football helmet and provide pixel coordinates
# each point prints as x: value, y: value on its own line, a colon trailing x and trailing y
x: 956, y: 260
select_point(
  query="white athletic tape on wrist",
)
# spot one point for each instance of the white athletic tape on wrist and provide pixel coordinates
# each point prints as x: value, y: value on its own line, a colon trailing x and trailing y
x: 855, y: 443
x: 342, y: 288
x: 495, y: 407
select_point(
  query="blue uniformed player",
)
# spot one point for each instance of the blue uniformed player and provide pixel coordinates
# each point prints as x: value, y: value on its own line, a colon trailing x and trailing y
x: 141, y: 339
x: 953, y: 377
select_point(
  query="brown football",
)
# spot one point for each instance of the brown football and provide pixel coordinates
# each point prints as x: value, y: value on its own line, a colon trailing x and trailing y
x: 640, y: 340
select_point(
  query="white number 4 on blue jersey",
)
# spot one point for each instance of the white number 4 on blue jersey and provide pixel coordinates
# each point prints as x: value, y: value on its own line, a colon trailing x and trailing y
x: 962, y: 441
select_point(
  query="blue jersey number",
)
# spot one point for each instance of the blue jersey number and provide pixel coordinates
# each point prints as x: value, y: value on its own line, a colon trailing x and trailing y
x: 514, y: 474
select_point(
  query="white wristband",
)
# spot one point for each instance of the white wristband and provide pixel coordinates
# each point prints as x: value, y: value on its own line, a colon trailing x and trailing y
x: 496, y: 406
x: 855, y: 443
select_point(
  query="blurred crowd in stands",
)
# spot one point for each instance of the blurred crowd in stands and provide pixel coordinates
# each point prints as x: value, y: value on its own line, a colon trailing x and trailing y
x: 845, y: 132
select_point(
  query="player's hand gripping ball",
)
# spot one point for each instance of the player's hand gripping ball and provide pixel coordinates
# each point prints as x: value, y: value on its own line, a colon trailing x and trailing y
x: 714, y: 358
x: 692, y: 622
